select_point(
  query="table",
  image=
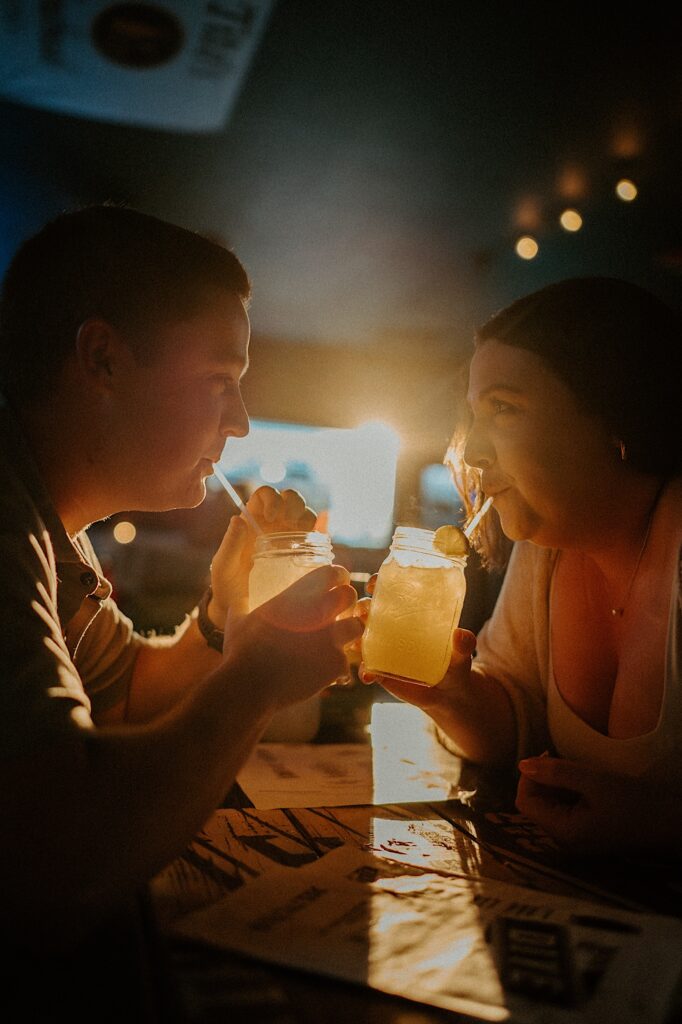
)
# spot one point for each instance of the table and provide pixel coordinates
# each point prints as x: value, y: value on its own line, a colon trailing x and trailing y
x: 478, y: 822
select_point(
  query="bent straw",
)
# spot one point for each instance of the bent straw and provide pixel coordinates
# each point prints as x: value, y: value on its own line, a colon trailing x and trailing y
x: 236, y: 499
x: 477, y: 518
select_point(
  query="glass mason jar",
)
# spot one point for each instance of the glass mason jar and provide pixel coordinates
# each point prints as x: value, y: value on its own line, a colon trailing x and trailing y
x: 416, y: 605
x: 279, y: 560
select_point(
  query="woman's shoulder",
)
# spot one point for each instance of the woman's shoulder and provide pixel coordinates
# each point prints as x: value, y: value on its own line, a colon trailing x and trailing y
x: 670, y: 512
x: 532, y: 558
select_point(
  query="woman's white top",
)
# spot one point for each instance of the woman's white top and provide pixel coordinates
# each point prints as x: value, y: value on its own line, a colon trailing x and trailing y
x: 514, y: 648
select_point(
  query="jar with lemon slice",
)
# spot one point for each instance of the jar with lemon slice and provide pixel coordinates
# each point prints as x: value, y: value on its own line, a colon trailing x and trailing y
x: 416, y: 605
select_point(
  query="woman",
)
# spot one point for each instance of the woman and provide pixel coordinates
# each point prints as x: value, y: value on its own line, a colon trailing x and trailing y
x: 575, y: 432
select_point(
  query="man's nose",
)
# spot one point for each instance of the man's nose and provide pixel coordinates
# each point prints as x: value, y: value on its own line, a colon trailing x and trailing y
x: 478, y: 450
x: 235, y: 419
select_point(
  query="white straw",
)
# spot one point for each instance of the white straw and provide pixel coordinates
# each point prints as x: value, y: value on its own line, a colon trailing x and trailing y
x: 477, y: 518
x: 236, y: 499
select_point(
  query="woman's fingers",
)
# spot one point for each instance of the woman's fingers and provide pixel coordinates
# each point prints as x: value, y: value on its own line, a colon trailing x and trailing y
x: 463, y: 646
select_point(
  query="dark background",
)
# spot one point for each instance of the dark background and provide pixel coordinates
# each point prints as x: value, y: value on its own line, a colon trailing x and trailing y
x: 380, y: 162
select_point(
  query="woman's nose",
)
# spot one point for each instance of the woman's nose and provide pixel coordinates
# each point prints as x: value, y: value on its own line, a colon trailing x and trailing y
x: 478, y: 451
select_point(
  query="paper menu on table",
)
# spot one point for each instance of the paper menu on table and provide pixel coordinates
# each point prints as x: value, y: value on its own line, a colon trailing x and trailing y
x: 404, y: 763
x: 429, y: 937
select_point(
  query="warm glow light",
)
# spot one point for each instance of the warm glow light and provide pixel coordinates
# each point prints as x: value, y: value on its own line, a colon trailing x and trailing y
x: 528, y: 214
x: 628, y: 142
x: 527, y: 248
x: 124, y: 533
x: 572, y: 183
x: 571, y: 220
x: 346, y: 475
x: 408, y: 763
x: 626, y: 190
x: 367, y: 453
x: 273, y: 471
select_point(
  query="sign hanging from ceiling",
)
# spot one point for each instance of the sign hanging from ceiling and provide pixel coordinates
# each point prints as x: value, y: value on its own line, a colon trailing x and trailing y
x: 170, y: 65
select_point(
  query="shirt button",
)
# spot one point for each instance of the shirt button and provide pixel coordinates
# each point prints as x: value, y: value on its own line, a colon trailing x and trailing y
x: 88, y: 579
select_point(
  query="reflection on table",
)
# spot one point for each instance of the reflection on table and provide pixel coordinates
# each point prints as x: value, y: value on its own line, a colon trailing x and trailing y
x: 388, y: 863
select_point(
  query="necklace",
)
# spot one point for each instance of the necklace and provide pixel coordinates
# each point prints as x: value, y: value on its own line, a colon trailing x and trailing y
x: 619, y: 611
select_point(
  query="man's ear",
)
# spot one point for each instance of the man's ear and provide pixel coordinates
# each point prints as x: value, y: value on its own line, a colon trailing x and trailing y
x: 99, y: 351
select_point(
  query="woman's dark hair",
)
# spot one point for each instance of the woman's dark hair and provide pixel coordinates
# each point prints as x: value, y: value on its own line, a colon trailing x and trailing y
x: 130, y: 268
x: 617, y: 347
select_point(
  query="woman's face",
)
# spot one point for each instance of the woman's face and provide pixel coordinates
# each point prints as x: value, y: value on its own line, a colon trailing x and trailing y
x: 548, y: 463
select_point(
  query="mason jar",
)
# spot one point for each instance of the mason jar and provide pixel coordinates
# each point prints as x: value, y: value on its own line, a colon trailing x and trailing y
x: 416, y: 606
x: 279, y: 560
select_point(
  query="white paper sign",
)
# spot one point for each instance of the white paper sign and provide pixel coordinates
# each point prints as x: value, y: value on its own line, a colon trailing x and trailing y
x: 433, y: 939
x: 173, y: 64
x: 404, y: 763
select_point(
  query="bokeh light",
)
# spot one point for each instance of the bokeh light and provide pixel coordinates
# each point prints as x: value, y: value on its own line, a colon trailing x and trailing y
x: 571, y: 220
x: 626, y: 190
x: 527, y: 248
x: 124, y: 532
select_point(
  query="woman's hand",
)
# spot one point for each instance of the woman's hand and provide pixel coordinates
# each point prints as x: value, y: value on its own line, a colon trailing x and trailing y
x: 590, y: 811
x: 275, y: 513
x: 428, y: 698
x: 293, y: 645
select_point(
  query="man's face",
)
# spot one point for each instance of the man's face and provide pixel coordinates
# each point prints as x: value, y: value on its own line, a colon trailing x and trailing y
x: 175, y: 412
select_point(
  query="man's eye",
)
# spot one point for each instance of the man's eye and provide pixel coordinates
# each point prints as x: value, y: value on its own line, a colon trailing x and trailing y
x: 498, y: 406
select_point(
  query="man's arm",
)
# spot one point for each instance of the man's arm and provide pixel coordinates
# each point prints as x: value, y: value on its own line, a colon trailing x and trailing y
x: 166, y: 668
x: 90, y: 817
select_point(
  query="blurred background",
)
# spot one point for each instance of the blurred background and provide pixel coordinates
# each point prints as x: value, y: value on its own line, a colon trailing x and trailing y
x: 390, y: 173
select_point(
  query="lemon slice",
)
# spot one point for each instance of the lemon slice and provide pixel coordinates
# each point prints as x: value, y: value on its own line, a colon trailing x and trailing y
x: 451, y: 541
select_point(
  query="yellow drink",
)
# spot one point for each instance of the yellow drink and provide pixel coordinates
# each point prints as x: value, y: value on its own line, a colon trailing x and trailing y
x: 281, y: 559
x: 416, y: 605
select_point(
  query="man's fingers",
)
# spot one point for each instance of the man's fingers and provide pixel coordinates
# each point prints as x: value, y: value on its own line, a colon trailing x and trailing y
x: 362, y: 608
x: 371, y: 583
x: 345, y: 631
x: 264, y: 503
x: 286, y: 510
x: 293, y: 505
x: 312, y: 601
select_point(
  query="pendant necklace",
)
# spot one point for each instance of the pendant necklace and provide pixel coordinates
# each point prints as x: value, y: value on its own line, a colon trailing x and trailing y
x: 618, y: 612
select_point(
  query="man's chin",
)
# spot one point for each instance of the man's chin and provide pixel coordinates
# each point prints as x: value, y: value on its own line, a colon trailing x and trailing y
x: 188, y: 497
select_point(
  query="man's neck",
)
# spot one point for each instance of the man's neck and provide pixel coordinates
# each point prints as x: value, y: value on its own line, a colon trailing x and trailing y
x: 66, y: 466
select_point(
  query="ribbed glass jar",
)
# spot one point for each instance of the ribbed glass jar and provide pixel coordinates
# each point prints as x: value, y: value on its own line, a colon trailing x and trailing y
x: 416, y: 606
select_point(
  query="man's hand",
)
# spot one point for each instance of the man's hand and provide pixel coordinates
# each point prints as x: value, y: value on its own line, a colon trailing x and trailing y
x: 587, y: 810
x: 274, y: 513
x: 293, y: 645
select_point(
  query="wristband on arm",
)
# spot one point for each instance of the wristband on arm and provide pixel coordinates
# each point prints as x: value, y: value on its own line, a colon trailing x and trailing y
x: 213, y: 636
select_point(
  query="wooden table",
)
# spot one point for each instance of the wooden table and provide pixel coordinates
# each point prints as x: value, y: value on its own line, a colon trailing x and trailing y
x: 199, y: 985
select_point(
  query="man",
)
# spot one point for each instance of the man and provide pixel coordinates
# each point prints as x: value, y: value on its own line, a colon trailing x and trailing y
x: 123, y: 340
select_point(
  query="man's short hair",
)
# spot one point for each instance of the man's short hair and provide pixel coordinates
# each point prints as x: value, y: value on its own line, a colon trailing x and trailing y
x: 133, y: 270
